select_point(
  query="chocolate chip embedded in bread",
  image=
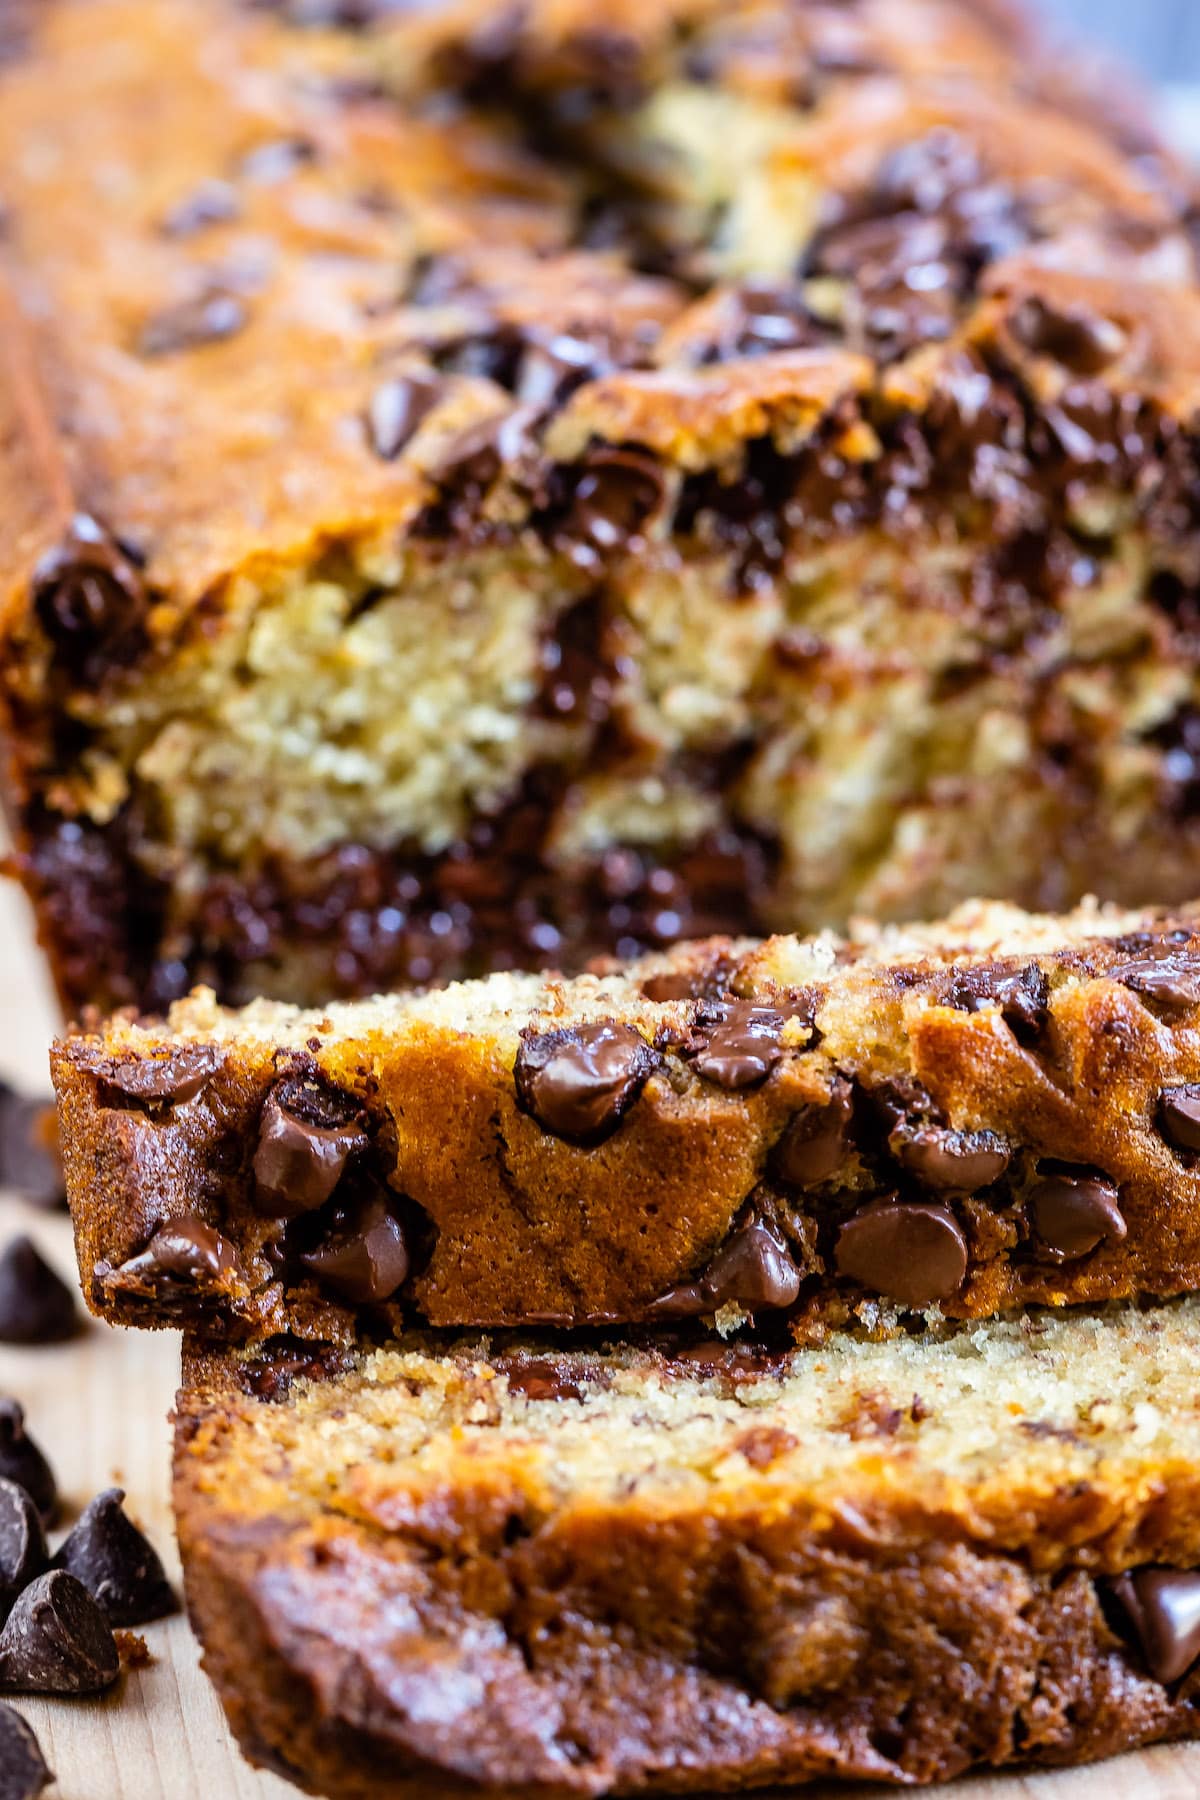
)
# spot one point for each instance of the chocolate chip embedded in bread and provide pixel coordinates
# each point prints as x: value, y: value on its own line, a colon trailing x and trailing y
x: 753, y: 1269
x: 1172, y: 979
x: 1161, y: 1607
x: 172, y: 1075
x: 615, y: 498
x: 913, y: 1253
x: 89, y: 597
x: 959, y: 1162
x: 1022, y: 996
x: 541, y: 1378
x: 23, y: 1771
x: 581, y: 1081
x: 813, y: 1147
x: 57, y: 1641
x: 184, y: 1256
x: 1083, y: 341
x: 300, y: 1158
x: 738, y: 1045
x: 36, y: 1305
x: 398, y: 407
x: 1179, y: 1115
x: 206, y: 319
x: 1072, y: 1214
x: 365, y: 1258
x: 116, y: 1563
x: 22, y: 1461
x: 23, y: 1551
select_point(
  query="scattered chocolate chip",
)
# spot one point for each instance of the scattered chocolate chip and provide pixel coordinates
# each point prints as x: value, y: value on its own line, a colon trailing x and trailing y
x: 23, y: 1770
x: 1023, y: 996
x: 811, y: 1149
x: 173, y: 1075
x: 300, y: 1158
x: 1161, y: 1607
x: 23, y: 1552
x: 207, y: 319
x: 738, y: 1043
x: 617, y: 494
x: 580, y: 1082
x: 1173, y: 980
x: 1071, y: 1214
x: 958, y: 1162
x: 212, y: 203
x: 30, y: 1163
x: 116, y: 1564
x: 21, y: 1461
x: 90, y: 599
x: 540, y: 1378
x: 1179, y: 1115
x: 364, y: 1258
x: 397, y: 408
x: 184, y: 1257
x: 57, y: 1641
x: 912, y: 1253
x: 1082, y: 341
x: 754, y: 1269
x: 36, y: 1305
x: 551, y: 368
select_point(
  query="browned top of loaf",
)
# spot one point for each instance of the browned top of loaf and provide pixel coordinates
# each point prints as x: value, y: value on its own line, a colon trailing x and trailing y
x: 228, y: 228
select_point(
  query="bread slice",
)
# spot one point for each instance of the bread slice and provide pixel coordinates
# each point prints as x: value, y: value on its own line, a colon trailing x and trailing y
x: 477, y: 490
x: 529, y: 1570
x: 996, y: 1110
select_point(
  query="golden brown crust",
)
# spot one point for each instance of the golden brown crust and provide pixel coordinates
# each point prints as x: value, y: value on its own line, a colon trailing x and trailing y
x: 616, y: 1572
x: 1016, y: 1094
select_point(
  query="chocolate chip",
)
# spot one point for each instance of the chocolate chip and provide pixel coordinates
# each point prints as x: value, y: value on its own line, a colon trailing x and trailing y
x: 912, y: 1253
x: 1023, y: 997
x: 397, y: 408
x: 23, y: 1771
x: 580, y: 1082
x: 172, y: 1075
x: 184, y: 1258
x: 551, y: 368
x: 539, y: 1378
x: 616, y: 495
x: 90, y: 599
x: 1073, y: 1213
x: 116, y: 1564
x: 364, y: 1258
x: 23, y: 1552
x: 1081, y: 341
x: 811, y: 1149
x: 1162, y: 1609
x: 1173, y: 979
x: 1179, y: 1115
x: 57, y: 1641
x: 299, y: 1160
x: 953, y: 1161
x: 739, y: 1044
x: 30, y: 1163
x: 474, y: 458
x: 207, y: 319
x: 754, y: 1269
x: 36, y: 1305
x: 277, y: 160
x: 212, y: 203
x: 21, y: 1461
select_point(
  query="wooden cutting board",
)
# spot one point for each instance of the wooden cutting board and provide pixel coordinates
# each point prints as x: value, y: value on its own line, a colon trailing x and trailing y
x: 99, y: 1408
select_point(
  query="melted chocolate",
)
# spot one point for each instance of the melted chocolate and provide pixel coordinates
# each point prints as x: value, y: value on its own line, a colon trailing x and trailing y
x: 581, y: 1081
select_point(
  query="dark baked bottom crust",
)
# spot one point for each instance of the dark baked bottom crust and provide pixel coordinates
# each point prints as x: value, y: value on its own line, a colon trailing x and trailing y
x: 452, y: 1630
x: 953, y: 1120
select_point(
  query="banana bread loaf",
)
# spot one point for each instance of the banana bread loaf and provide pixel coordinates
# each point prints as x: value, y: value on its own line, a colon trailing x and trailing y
x: 533, y: 1571
x: 479, y: 488
x: 997, y: 1110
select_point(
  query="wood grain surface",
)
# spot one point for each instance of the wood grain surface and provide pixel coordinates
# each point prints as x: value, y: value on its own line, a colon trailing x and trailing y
x: 99, y: 1407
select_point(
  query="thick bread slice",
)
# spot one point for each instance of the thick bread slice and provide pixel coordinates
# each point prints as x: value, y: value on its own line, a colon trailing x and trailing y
x: 538, y: 1571
x: 996, y: 1110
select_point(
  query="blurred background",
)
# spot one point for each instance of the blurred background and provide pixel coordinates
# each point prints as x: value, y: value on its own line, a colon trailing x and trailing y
x: 1161, y: 38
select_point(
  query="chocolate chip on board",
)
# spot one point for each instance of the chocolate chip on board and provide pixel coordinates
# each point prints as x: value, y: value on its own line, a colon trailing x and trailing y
x: 301, y: 1155
x: 116, y: 1563
x: 1179, y: 1115
x: 22, y: 1461
x: 23, y: 1552
x: 1072, y: 1214
x: 915, y: 1254
x: 30, y: 1163
x: 365, y: 1257
x: 1161, y: 1608
x: 36, y: 1305
x: 57, y: 1641
x: 23, y: 1770
x: 738, y: 1044
x: 580, y: 1082
x: 812, y: 1148
x: 173, y: 1076
x: 208, y: 318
